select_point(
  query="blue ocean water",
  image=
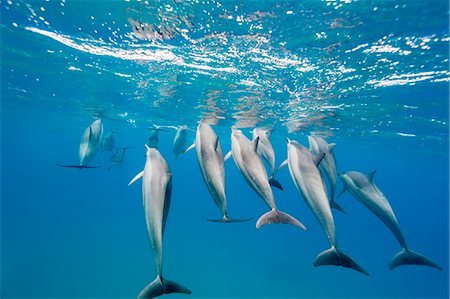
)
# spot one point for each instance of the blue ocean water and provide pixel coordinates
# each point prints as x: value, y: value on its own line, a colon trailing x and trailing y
x: 370, y: 76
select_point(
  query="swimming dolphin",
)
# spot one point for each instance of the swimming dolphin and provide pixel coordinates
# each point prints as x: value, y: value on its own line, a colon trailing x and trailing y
x: 246, y: 157
x: 156, y: 194
x: 179, y: 142
x: 303, y: 167
x: 89, y: 145
x: 361, y: 187
x: 118, y: 157
x: 210, y: 160
x: 318, y: 145
x: 265, y: 149
x: 153, y: 139
x: 108, y: 142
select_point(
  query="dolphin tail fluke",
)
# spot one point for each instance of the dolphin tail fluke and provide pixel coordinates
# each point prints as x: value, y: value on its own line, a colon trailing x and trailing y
x: 226, y: 219
x: 161, y: 286
x: 77, y: 166
x: 275, y: 216
x: 335, y: 257
x: 274, y: 183
x: 336, y: 206
x: 409, y: 257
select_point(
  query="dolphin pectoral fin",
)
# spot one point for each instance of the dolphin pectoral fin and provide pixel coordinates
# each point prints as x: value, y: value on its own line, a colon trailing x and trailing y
x: 226, y: 219
x: 227, y: 156
x: 274, y: 183
x: 137, y: 177
x: 335, y: 257
x: 409, y: 257
x: 160, y: 286
x: 318, y: 158
x: 284, y: 163
x: 216, y: 144
x: 275, y: 216
x: 190, y: 147
x: 255, y: 144
x: 331, y: 146
x: 370, y: 175
x: 77, y: 166
x: 336, y: 206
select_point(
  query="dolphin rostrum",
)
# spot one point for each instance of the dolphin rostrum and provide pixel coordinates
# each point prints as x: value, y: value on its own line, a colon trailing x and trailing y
x: 246, y: 157
x: 156, y: 195
x: 318, y: 145
x: 361, y: 186
x: 89, y: 145
x: 305, y: 173
x: 265, y: 149
x: 211, y: 162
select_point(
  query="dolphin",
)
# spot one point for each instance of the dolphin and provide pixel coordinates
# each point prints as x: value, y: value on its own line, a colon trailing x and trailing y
x: 318, y: 145
x: 246, y: 157
x: 211, y: 162
x: 156, y: 195
x: 265, y: 149
x: 108, y: 142
x: 89, y: 145
x: 153, y: 139
x: 118, y: 157
x: 304, y: 170
x: 361, y: 186
x: 179, y: 142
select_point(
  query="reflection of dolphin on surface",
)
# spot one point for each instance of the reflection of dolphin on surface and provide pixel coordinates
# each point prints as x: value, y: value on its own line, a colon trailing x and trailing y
x: 211, y: 162
x: 246, y: 157
x: 265, y: 149
x: 89, y: 145
x: 361, y: 186
x: 156, y: 193
x: 304, y: 170
x: 318, y: 145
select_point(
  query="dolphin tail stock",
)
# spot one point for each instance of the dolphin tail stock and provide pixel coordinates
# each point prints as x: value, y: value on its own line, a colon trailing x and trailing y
x: 335, y: 257
x: 226, y: 219
x: 336, y: 206
x: 161, y: 286
x: 76, y: 166
x: 409, y: 257
x: 276, y: 216
x: 274, y: 183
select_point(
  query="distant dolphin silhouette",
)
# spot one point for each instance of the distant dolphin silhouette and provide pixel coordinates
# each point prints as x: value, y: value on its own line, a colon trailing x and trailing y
x: 361, y: 186
x: 318, y: 145
x: 303, y: 167
x: 180, y: 139
x: 265, y: 149
x: 118, y: 157
x: 211, y: 162
x: 156, y: 193
x: 108, y: 142
x: 89, y: 145
x: 246, y: 157
x: 153, y: 139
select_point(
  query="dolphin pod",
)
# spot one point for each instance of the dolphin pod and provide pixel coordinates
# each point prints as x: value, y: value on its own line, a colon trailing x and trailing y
x: 303, y: 167
x: 246, y: 157
x: 156, y: 195
x: 361, y: 187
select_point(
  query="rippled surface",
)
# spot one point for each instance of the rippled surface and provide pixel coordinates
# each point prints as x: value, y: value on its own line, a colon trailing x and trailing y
x: 357, y: 67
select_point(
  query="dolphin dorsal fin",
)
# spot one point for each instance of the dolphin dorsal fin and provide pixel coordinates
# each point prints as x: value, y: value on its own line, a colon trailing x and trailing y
x: 331, y: 146
x: 370, y: 175
x: 255, y: 144
x: 318, y: 158
x: 216, y: 143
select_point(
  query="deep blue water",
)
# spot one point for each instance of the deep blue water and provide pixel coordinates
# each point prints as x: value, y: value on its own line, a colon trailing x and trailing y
x: 370, y: 76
